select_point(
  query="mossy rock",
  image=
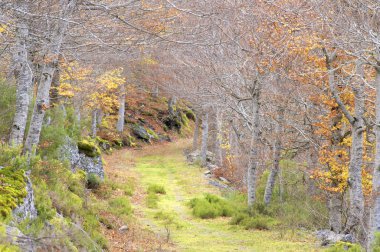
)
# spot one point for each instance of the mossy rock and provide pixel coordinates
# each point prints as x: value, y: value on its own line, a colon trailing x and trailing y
x: 128, y: 140
x: 173, y: 122
x: 141, y: 133
x: 189, y: 114
x: 12, y: 190
x: 152, y: 134
x: 89, y: 148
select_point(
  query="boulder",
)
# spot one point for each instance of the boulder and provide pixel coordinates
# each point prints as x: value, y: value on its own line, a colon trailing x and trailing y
x: 123, y: 229
x: 141, y: 133
x: 192, y: 157
x: 91, y: 165
x: 77, y: 159
x: 27, y: 209
x: 329, y: 237
x: 69, y: 151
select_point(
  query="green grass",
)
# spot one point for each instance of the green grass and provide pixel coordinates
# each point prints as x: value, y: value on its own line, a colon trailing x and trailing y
x: 167, y: 167
x: 156, y: 189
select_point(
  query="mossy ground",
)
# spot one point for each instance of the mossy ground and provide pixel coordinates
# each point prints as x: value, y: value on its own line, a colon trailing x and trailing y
x: 172, y: 220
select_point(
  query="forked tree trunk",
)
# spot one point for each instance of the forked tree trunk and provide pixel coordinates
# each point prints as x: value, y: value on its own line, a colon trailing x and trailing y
x: 276, y: 159
x: 121, y: 115
x: 356, y: 207
x: 254, y: 157
x: 48, y: 68
x: 204, y: 139
x: 24, y: 78
x: 196, y: 133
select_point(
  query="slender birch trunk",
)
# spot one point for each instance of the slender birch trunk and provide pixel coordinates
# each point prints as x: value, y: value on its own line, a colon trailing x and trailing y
x: 196, y: 133
x: 218, y: 142
x: 121, y: 115
x: 254, y: 158
x: 276, y: 159
x: 204, y: 139
x: 48, y: 68
x: 24, y: 78
x: 375, y: 227
x: 171, y: 104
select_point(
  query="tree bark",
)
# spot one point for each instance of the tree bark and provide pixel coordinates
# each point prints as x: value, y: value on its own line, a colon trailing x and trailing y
x: 375, y: 227
x: 171, y: 104
x: 218, y: 140
x: 48, y: 68
x: 254, y: 158
x: 204, y: 139
x: 276, y: 159
x: 121, y: 115
x: 335, y: 212
x: 196, y: 133
x: 24, y: 78
x: 94, y: 122
x: 356, y: 208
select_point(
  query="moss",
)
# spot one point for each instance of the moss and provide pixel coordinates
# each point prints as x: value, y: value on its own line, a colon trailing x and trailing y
x: 345, y: 246
x: 189, y: 114
x: 152, y: 133
x: 184, y: 119
x: 12, y: 190
x: 89, y: 148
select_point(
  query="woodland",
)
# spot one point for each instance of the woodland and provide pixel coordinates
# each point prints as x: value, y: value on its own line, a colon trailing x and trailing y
x: 171, y: 125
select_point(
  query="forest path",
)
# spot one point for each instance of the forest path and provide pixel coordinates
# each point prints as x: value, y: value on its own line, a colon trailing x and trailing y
x: 165, y: 165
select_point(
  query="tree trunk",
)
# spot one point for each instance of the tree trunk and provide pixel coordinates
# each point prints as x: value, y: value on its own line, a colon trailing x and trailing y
x: 120, y: 120
x: 23, y: 74
x: 196, y: 133
x: 356, y: 208
x: 375, y: 227
x: 276, y: 159
x: 204, y: 139
x: 155, y: 92
x: 218, y: 140
x: 48, y: 68
x: 94, y: 122
x: 335, y: 212
x: 254, y: 158
x: 171, y: 104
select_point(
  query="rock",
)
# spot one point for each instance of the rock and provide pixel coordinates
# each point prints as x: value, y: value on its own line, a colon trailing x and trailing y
x: 141, y: 133
x: 328, y: 237
x: 208, y: 172
x: 91, y: 165
x: 15, y: 237
x: 212, y: 167
x: 218, y: 184
x: 70, y: 151
x: 224, y: 180
x: 27, y: 209
x: 123, y: 229
x: 192, y: 157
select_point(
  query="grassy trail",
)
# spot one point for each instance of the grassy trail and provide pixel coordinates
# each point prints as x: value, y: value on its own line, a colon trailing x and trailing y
x: 165, y: 165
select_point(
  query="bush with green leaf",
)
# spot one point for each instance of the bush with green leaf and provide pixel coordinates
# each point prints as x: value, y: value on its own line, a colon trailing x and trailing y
x: 211, y: 206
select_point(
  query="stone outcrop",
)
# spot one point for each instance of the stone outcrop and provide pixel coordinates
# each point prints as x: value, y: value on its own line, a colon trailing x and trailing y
x: 328, y: 237
x: 15, y: 237
x: 80, y: 160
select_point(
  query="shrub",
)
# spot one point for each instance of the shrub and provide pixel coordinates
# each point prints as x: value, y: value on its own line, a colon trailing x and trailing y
x: 120, y: 206
x: 156, y: 189
x: 211, y: 206
x: 89, y: 148
x: 259, y: 222
x: 345, y: 247
x: 7, y: 106
x: 93, y: 181
x: 376, y: 243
